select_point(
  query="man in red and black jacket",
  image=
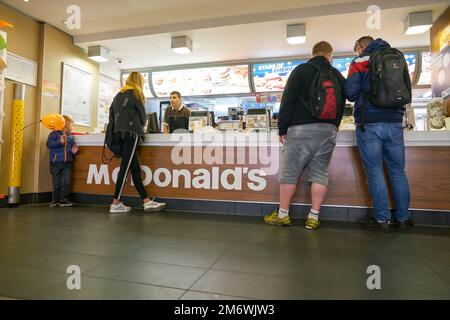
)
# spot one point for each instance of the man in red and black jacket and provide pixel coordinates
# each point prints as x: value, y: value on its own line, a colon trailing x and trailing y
x: 379, y: 141
x: 307, y: 140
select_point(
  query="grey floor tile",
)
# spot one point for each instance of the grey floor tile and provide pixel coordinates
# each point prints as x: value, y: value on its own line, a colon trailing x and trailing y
x: 288, y: 267
x: 53, y: 260
x: 173, y: 250
x: 15, y: 238
x: 26, y: 283
x: 187, y: 243
x: 8, y: 298
x: 104, y: 289
x: 148, y: 273
x: 348, y: 292
x: 257, y: 286
x: 93, y: 247
x: 183, y: 257
x: 401, y: 276
x: 196, y: 295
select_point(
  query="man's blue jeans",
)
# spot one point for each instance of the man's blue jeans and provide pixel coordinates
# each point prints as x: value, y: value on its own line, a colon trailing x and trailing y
x: 384, y: 142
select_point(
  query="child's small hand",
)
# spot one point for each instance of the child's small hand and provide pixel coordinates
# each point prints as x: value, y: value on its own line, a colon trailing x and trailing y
x: 63, y: 138
x: 74, y: 150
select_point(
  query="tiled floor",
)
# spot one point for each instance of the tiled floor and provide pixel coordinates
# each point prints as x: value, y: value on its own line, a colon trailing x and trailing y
x: 195, y: 256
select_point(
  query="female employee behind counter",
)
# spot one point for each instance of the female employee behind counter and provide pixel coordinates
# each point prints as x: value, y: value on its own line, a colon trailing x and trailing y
x: 176, y: 115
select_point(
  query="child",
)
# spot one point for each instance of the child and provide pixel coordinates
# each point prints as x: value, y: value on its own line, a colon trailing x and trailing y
x: 62, y: 148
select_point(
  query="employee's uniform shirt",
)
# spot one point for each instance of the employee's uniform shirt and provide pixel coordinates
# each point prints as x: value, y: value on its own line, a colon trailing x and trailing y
x: 171, y: 114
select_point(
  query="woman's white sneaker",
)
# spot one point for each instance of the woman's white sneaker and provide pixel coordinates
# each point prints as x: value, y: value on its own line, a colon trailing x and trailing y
x: 153, y: 206
x: 119, y: 208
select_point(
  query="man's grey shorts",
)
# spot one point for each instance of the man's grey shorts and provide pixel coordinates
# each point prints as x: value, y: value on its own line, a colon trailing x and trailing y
x: 309, y: 145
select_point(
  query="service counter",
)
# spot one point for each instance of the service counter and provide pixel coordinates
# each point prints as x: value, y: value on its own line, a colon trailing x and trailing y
x: 243, y: 168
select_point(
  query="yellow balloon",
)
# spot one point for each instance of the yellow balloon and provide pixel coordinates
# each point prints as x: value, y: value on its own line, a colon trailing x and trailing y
x: 54, y: 121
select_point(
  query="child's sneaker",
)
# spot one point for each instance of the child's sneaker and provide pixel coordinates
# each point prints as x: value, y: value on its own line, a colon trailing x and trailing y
x: 153, y: 206
x: 119, y: 208
x: 65, y: 203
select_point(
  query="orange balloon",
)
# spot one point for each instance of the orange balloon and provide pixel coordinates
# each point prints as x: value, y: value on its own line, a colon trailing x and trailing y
x: 54, y: 121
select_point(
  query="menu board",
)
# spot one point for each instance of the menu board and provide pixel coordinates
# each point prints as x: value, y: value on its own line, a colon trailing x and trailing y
x: 273, y: 76
x: 425, y: 70
x: 343, y: 64
x: 147, y: 92
x: 411, y: 61
x: 202, y: 81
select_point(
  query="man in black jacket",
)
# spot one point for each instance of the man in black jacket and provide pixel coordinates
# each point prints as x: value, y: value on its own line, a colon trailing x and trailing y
x: 308, y: 141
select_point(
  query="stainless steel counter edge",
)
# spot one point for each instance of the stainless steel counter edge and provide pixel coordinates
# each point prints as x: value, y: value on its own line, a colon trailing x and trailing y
x: 344, y: 138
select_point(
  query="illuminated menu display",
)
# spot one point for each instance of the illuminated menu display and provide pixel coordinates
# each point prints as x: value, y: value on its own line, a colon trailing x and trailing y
x: 273, y: 76
x: 343, y: 65
x: 202, y: 81
x: 411, y: 61
x: 147, y: 92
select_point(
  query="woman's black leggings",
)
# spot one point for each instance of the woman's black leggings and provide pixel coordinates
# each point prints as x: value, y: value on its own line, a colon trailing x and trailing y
x: 130, y: 162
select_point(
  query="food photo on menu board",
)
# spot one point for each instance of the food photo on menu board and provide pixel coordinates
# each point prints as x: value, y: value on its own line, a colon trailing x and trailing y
x: 147, y: 91
x: 273, y: 76
x: 202, y: 81
x: 342, y: 64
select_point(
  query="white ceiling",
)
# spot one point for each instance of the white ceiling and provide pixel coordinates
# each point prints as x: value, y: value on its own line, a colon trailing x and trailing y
x: 139, y: 31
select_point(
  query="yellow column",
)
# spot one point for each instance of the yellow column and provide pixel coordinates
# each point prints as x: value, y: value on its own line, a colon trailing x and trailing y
x: 15, y: 166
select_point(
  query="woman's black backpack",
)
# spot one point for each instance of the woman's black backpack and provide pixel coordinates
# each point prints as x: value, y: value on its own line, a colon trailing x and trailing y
x: 114, y: 141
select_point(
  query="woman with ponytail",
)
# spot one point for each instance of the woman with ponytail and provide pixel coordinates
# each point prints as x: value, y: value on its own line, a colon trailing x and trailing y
x: 128, y: 113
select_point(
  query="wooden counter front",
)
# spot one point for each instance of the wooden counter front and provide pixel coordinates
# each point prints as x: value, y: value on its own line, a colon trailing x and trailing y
x: 428, y: 170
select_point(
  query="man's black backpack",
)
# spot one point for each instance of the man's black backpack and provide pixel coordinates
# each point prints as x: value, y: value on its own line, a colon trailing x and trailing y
x: 389, y: 81
x: 114, y: 141
x: 325, y: 96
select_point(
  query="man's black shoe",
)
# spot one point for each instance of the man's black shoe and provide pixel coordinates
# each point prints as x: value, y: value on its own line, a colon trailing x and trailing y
x: 374, y: 225
x: 65, y: 203
x: 408, y: 224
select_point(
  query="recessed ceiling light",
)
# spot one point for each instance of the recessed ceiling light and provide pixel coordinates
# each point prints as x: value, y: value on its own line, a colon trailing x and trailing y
x: 296, y: 34
x: 418, y: 22
x: 181, y: 45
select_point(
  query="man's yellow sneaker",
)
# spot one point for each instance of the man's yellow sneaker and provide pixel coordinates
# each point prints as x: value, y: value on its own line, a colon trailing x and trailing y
x: 275, y: 220
x: 312, y: 224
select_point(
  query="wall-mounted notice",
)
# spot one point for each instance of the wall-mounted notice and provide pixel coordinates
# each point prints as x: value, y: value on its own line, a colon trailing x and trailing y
x: 202, y: 81
x: 76, y: 95
x: 22, y: 70
x: 272, y: 76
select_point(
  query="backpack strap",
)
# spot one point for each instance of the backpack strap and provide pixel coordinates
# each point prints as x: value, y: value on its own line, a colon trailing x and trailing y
x: 105, y: 159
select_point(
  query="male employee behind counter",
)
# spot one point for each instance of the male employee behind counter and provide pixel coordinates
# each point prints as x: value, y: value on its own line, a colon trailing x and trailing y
x: 176, y: 115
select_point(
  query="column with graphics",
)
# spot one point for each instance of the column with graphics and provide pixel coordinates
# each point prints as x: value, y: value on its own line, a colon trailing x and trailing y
x: 15, y: 167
